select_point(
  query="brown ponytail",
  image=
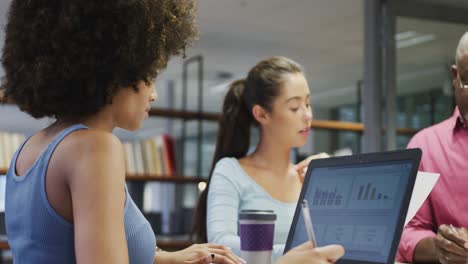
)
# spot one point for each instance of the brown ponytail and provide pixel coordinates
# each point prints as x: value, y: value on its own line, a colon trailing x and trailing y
x: 233, y: 140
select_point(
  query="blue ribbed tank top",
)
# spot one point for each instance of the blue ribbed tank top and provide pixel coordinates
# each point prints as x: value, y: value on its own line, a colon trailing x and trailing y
x: 38, y: 234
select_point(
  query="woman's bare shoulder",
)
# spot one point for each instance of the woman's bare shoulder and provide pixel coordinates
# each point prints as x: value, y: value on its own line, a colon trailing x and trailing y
x: 92, y: 153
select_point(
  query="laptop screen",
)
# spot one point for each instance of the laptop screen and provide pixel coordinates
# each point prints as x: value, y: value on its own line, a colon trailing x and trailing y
x: 355, y: 205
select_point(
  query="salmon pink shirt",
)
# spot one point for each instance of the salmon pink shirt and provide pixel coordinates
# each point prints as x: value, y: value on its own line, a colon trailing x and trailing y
x: 445, y: 151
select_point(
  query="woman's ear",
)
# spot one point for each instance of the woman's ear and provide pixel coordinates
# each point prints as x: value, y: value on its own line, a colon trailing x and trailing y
x: 260, y: 114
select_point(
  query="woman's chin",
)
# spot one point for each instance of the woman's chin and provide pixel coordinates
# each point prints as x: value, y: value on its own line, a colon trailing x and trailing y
x: 131, y: 127
x: 298, y: 145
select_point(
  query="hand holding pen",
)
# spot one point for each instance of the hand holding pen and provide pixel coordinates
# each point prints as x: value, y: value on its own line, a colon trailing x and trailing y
x: 451, y: 244
x: 308, y: 252
x: 308, y: 222
x: 461, y: 234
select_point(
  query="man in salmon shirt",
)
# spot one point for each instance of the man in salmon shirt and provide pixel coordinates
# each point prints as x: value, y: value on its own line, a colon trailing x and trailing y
x: 438, y: 231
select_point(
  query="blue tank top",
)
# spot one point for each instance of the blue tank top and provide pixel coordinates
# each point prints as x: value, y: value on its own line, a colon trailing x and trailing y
x: 38, y: 234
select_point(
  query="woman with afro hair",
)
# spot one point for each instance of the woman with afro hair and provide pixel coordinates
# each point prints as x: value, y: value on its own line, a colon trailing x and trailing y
x: 91, y: 65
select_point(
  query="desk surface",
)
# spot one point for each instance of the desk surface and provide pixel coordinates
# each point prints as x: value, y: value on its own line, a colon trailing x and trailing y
x: 4, y: 245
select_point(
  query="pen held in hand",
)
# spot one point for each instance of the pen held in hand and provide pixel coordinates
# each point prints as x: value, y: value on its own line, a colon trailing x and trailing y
x: 308, y: 222
x: 460, y: 235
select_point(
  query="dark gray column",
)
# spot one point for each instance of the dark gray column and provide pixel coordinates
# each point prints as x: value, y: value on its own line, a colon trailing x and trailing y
x: 371, y: 95
x: 389, y: 74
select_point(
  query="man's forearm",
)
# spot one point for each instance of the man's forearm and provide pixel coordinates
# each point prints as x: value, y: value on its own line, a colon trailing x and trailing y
x: 425, y: 251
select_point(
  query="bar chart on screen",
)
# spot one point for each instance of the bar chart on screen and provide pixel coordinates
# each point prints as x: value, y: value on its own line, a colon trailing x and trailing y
x: 373, y: 192
x: 361, y: 192
x: 328, y: 195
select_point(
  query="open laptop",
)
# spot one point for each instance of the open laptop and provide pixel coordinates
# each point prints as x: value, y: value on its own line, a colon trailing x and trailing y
x: 359, y: 202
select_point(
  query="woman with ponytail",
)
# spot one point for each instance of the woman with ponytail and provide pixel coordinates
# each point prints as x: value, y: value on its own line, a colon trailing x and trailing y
x: 275, y: 98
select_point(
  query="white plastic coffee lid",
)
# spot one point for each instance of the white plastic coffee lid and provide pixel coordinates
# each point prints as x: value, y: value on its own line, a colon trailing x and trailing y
x: 262, y: 215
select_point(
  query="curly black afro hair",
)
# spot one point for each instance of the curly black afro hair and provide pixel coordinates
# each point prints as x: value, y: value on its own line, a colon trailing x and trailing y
x: 68, y: 58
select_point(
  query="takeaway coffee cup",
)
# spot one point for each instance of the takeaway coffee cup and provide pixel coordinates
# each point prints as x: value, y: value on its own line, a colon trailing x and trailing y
x: 257, y: 230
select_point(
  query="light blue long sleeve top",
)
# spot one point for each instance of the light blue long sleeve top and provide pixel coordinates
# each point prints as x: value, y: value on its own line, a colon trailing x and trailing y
x: 232, y: 190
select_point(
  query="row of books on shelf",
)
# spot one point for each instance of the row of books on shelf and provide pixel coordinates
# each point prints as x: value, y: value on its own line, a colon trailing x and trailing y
x: 152, y: 156
x: 9, y: 142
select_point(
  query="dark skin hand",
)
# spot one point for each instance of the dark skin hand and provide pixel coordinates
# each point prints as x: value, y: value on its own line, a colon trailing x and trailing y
x: 449, y: 246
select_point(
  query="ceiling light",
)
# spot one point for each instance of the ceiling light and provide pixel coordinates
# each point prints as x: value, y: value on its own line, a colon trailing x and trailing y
x: 405, y: 35
x: 412, y: 38
x: 201, y: 186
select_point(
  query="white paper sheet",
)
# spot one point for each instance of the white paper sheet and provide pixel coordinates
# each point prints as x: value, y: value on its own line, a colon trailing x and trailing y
x: 425, y: 181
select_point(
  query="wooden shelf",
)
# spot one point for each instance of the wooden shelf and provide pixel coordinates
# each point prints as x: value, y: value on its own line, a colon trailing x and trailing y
x: 4, y: 245
x: 163, y: 178
x: 316, y: 124
x: 186, y: 115
x: 149, y: 177
x: 337, y: 125
x: 2, y: 98
x: 173, y: 244
x: 3, y: 171
x: 353, y: 126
